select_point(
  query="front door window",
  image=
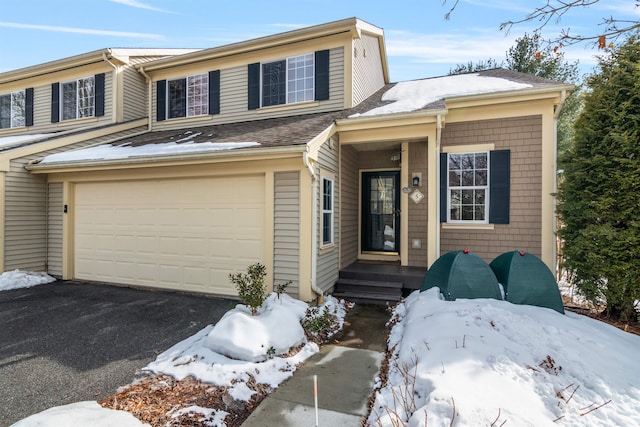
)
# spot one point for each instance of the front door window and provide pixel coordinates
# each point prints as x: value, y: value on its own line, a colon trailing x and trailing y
x: 380, y: 212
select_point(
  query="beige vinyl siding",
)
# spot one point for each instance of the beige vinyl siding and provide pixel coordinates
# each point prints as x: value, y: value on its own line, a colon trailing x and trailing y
x: 286, y: 239
x: 26, y: 203
x: 233, y: 99
x: 134, y: 102
x: 42, y: 110
x: 523, y: 136
x: 55, y: 212
x: 418, y: 213
x: 349, y: 195
x: 368, y: 76
x: 327, y: 264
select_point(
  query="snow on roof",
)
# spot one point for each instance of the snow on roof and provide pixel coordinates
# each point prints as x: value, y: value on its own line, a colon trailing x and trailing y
x: 128, y: 150
x: 10, y: 141
x: 413, y: 95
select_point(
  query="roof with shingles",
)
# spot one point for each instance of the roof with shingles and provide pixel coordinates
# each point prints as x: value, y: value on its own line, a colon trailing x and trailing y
x: 301, y: 129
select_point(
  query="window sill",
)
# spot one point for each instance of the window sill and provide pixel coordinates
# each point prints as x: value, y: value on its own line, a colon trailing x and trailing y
x: 15, y: 129
x: 461, y: 226
x: 327, y: 248
x: 76, y: 121
x: 204, y: 117
x: 285, y: 107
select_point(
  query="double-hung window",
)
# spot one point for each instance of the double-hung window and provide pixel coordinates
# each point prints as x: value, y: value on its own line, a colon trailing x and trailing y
x: 188, y: 96
x: 12, y: 110
x: 468, y: 187
x: 327, y: 211
x: 288, y: 81
x: 475, y: 187
x: 292, y: 80
x: 77, y: 98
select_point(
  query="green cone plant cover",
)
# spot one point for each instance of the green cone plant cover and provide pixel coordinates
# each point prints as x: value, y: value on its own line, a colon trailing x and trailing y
x: 527, y: 280
x: 461, y: 274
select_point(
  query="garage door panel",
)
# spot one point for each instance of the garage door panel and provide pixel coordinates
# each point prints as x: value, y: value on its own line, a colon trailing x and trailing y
x: 184, y: 234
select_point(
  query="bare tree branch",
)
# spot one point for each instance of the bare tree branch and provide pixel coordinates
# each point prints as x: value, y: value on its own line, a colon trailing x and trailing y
x: 553, y: 12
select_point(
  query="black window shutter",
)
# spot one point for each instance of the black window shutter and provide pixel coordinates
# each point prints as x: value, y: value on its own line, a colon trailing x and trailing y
x: 28, y: 106
x: 214, y: 92
x: 99, y: 95
x: 499, y: 186
x: 322, y: 75
x: 444, y: 173
x: 161, y: 100
x: 55, y: 102
x: 254, y: 86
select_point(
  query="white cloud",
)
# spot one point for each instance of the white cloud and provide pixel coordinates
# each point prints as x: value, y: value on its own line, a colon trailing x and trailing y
x: 139, y: 5
x: 86, y: 31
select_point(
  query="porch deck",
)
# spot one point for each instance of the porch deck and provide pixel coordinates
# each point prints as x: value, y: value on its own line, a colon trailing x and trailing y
x: 377, y: 283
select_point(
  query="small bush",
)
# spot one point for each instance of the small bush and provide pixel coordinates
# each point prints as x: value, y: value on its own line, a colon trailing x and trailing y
x: 316, y: 322
x: 250, y: 286
x: 282, y: 287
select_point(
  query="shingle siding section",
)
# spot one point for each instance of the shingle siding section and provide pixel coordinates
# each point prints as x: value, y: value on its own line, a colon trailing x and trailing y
x: 418, y: 213
x: 286, y: 239
x: 523, y: 136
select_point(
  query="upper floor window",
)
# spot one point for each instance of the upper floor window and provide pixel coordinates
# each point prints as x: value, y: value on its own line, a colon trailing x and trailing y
x: 78, y: 98
x: 475, y: 187
x: 13, y: 110
x: 188, y: 97
x: 288, y: 81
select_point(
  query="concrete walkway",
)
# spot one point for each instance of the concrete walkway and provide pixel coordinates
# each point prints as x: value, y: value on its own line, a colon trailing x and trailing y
x: 345, y: 371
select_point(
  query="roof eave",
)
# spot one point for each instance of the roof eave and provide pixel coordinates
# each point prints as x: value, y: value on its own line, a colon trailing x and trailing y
x: 418, y: 115
x: 190, y: 158
x: 555, y: 90
x: 349, y: 25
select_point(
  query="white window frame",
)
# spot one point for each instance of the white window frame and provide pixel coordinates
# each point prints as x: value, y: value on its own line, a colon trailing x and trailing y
x: 85, y: 104
x: 484, y: 187
x: 192, y: 109
x: 292, y: 93
x: 327, y: 210
x: 16, y: 121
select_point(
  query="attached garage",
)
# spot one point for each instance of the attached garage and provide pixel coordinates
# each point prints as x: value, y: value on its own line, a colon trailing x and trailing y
x: 185, y: 234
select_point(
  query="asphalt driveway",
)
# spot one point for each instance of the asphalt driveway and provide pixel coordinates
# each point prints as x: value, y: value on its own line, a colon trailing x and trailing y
x: 69, y: 341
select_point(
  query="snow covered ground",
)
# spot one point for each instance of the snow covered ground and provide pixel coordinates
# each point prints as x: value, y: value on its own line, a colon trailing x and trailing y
x: 482, y: 362
x: 493, y: 363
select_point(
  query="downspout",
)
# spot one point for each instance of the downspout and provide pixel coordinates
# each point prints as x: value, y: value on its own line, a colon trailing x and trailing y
x: 556, y: 114
x: 437, y: 155
x: 114, y: 108
x: 314, y: 228
x: 149, y: 95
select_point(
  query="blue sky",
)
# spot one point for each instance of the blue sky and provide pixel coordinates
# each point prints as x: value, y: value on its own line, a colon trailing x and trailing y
x: 420, y: 42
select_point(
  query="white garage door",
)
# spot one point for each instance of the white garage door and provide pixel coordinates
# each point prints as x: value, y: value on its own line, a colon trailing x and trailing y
x: 186, y: 234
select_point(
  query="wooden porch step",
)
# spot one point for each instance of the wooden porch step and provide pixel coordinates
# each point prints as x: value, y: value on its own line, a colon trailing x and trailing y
x: 368, y: 291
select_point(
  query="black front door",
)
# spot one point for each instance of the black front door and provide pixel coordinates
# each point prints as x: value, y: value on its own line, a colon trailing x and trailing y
x: 380, y: 212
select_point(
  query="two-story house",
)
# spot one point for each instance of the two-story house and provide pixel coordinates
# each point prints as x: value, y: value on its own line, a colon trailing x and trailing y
x: 295, y: 151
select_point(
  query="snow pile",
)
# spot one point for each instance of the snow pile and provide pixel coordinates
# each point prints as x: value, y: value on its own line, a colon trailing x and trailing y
x: 23, y: 279
x: 490, y: 362
x: 275, y: 330
x: 80, y: 414
x: 415, y: 94
x: 8, y: 141
x: 127, y: 151
x: 197, y: 357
